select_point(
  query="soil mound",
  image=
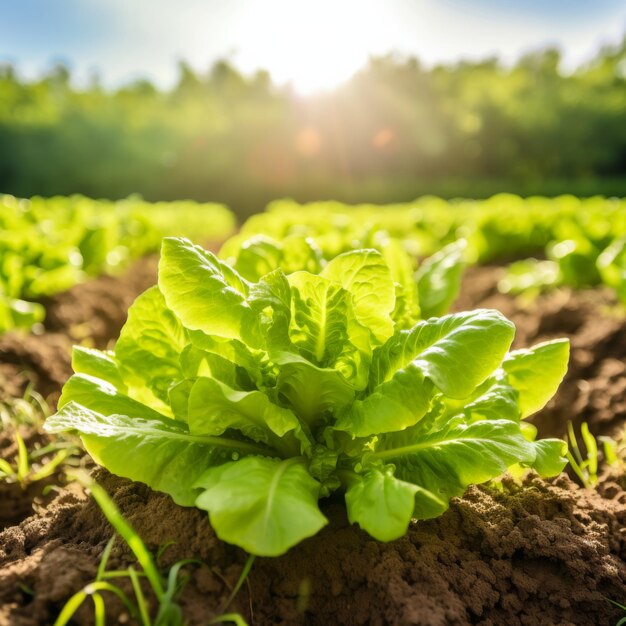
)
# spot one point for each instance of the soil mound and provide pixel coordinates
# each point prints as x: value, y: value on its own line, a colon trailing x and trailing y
x: 96, y: 310
x: 547, y: 553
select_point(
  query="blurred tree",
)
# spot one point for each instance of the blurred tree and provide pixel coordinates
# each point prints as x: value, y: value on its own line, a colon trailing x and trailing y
x: 396, y: 130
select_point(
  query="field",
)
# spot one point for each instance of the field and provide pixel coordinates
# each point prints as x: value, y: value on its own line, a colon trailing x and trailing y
x: 339, y: 387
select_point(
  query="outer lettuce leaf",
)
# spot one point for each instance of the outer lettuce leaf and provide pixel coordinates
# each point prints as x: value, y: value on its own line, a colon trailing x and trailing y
x: 445, y: 462
x: 104, y: 398
x: 149, y: 348
x: 205, y: 293
x: 157, y: 451
x: 536, y: 373
x: 263, y: 505
x: 381, y: 504
x: 457, y: 352
x: 550, y: 458
x: 439, y: 279
x: 98, y: 364
x: 493, y: 399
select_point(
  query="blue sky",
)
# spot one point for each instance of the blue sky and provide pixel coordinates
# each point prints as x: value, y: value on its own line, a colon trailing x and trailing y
x: 313, y: 43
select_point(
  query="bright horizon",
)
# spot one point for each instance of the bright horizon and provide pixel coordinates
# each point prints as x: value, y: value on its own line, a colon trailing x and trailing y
x: 315, y: 45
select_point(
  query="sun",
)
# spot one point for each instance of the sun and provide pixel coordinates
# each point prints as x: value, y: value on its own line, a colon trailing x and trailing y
x: 313, y: 45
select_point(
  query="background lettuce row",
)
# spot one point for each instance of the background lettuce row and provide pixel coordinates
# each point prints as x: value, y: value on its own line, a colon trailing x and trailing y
x: 254, y: 398
x: 48, y: 245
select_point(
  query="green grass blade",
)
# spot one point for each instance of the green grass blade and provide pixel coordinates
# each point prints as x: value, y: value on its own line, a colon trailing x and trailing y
x: 49, y: 468
x: 104, y: 559
x: 23, y: 466
x: 609, y: 447
x: 99, y: 611
x: 242, y: 577
x: 104, y: 586
x: 592, y: 451
x: 573, y: 444
x: 71, y: 606
x: 163, y: 548
x: 577, y: 470
x: 129, y: 535
x: 142, y: 605
x: 233, y: 618
x: 6, y: 468
x: 617, y: 604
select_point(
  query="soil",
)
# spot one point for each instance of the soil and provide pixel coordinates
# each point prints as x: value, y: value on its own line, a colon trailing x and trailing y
x: 547, y: 553
x: 95, y: 311
x: 20, y: 501
x: 543, y: 553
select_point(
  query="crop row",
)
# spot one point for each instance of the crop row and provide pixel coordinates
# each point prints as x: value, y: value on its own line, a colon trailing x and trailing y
x: 49, y: 245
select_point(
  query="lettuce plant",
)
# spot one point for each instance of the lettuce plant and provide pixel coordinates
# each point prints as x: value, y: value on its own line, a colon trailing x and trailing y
x: 254, y: 399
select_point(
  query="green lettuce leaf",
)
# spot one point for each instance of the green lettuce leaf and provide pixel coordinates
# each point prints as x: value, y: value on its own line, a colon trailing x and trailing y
x: 149, y: 348
x: 550, y: 457
x: 263, y: 505
x: 394, y: 405
x: 445, y: 462
x: 364, y: 274
x: 214, y: 407
x: 160, y: 452
x: 457, y: 352
x: 98, y: 364
x: 381, y: 504
x: 205, y: 293
x: 536, y: 373
x: 103, y: 397
x: 439, y: 279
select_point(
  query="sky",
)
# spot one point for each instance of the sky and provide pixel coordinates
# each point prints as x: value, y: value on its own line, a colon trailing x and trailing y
x: 313, y: 44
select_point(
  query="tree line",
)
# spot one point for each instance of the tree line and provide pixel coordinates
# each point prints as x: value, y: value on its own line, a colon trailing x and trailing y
x: 396, y: 130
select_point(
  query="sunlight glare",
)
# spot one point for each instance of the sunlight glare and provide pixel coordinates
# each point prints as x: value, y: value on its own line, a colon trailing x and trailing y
x: 315, y: 45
